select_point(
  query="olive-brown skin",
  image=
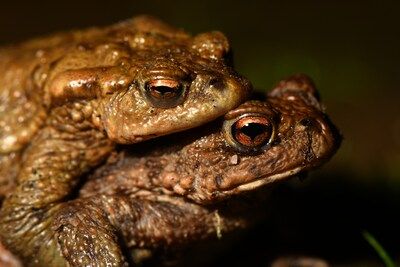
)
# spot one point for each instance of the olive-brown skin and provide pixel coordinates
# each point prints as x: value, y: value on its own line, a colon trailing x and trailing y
x: 179, y: 189
x: 95, y: 79
x: 67, y: 99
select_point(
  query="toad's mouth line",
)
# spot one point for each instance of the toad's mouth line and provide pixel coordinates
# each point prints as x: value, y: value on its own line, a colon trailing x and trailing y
x: 267, y: 180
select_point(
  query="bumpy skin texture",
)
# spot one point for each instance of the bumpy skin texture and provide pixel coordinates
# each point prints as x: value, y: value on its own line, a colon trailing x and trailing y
x: 106, y: 73
x: 66, y: 100
x: 183, y: 188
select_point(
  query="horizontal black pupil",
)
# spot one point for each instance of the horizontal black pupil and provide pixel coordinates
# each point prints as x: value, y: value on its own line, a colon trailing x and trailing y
x: 164, y: 89
x: 253, y: 130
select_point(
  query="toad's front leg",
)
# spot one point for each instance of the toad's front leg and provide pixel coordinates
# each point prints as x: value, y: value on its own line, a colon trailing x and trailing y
x: 51, y: 169
x: 87, y: 229
x: 86, y: 233
x: 90, y: 229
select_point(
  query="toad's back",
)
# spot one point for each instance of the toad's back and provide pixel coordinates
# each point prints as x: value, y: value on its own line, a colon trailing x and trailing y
x: 27, y: 68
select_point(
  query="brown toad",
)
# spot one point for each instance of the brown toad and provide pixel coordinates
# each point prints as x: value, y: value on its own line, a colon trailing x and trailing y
x: 120, y: 84
x: 172, y: 191
x: 67, y: 99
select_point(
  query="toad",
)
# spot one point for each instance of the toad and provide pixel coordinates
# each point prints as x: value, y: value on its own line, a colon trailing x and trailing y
x: 83, y: 91
x: 173, y: 191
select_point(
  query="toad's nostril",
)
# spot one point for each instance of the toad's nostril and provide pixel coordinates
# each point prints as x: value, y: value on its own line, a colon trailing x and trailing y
x: 312, y: 124
x: 217, y: 83
x: 307, y: 122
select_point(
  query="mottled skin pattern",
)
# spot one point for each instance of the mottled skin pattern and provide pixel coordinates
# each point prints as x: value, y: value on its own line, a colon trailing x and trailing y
x: 66, y: 100
x: 176, y: 190
x: 97, y: 79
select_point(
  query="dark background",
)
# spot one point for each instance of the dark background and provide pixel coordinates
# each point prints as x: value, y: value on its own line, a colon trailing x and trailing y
x: 352, y: 51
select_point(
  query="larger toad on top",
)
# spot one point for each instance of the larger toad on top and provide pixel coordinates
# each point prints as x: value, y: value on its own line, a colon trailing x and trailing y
x: 83, y: 91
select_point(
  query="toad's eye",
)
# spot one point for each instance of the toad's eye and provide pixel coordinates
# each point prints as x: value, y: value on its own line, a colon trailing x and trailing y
x: 165, y: 93
x: 249, y: 132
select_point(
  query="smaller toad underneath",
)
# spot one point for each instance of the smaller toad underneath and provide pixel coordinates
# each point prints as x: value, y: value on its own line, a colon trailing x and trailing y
x: 172, y: 192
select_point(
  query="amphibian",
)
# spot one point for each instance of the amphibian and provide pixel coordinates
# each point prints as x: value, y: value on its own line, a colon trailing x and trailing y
x: 173, y: 191
x: 127, y: 82
x: 67, y: 99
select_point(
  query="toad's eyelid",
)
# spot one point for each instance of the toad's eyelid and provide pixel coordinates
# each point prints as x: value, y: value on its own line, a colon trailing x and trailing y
x: 164, y: 82
x: 176, y: 72
x: 216, y: 82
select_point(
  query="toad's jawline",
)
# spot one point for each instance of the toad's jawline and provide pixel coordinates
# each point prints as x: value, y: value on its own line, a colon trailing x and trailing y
x: 266, y: 180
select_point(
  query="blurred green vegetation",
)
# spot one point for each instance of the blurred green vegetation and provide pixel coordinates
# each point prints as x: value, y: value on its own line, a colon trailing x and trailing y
x: 352, y: 51
x: 379, y: 249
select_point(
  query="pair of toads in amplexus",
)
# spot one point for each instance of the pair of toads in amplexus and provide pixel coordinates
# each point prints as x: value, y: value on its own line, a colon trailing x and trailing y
x: 122, y: 141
